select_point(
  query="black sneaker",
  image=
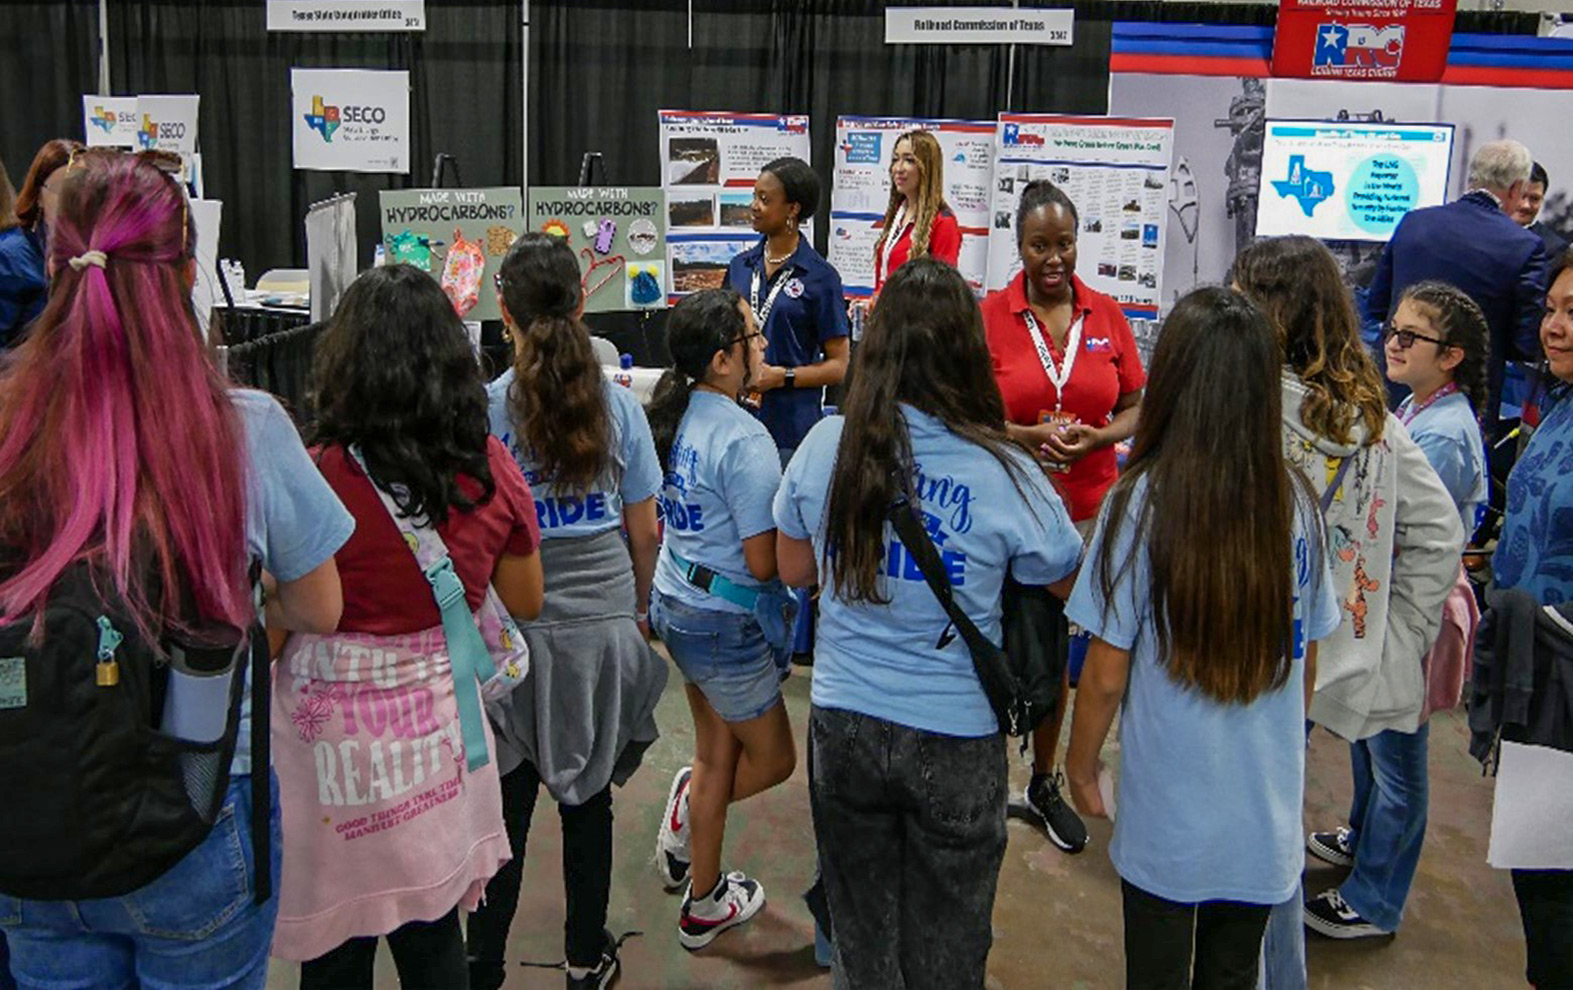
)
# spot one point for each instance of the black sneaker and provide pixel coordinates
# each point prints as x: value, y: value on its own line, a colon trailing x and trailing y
x: 1064, y: 826
x: 600, y: 976
x: 1333, y: 847
x: 1328, y: 914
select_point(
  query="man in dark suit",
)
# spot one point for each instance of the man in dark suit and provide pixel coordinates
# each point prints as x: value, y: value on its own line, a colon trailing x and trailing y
x: 1474, y: 244
x: 1528, y: 214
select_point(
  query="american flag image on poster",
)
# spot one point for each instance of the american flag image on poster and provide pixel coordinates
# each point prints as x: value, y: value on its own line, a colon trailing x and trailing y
x: 1358, y: 50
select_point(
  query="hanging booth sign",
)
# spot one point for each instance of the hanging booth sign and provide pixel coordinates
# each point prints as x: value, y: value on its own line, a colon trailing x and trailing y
x: 167, y: 123
x: 978, y: 25
x: 709, y: 161
x: 618, y: 234
x: 1116, y: 171
x: 1395, y: 40
x: 350, y: 120
x: 860, y: 191
x: 111, y: 121
x: 458, y: 235
x: 346, y: 15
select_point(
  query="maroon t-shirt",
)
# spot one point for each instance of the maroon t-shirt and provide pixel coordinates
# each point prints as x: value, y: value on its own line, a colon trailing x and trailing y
x: 385, y: 593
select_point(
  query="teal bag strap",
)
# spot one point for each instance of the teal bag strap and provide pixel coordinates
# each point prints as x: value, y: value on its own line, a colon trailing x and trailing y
x: 467, y: 653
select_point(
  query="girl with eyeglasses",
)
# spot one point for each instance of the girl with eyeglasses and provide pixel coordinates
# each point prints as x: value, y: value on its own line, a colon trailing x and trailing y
x: 717, y: 604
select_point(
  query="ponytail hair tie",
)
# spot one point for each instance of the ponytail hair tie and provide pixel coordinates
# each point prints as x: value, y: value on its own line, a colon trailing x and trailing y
x: 94, y: 258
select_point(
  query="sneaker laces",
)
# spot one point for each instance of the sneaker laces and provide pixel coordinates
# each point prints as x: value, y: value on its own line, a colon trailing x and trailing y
x: 1336, y: 901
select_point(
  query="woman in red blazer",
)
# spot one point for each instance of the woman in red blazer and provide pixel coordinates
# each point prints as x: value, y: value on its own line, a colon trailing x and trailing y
x: 918, y: 221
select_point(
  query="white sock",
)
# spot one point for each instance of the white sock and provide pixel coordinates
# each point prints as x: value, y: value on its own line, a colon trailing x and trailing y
x: 708, y: 904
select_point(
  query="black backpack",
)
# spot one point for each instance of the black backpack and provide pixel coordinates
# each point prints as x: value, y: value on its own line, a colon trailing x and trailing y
x: 100, y: 802
x: 1022, y: 678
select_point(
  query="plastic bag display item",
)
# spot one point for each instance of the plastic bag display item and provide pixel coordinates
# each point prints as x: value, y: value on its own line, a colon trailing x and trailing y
x: 605, y: 234
x: 461, y: 273
x: 407, y: 247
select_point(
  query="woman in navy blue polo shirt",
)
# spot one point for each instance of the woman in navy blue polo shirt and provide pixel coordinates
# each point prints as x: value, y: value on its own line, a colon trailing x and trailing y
x: 797, y: 301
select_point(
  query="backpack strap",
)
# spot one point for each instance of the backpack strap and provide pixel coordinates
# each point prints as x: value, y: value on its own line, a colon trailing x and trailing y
x: 467, y: 652
x: 1336, y: 483
x: 261, y: 778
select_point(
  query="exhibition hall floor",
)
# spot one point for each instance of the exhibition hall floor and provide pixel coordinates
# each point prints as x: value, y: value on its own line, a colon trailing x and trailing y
x: 1057, y: 917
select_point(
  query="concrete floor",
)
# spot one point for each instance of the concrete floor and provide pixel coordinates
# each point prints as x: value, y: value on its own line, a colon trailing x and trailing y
x: 1056, y: 917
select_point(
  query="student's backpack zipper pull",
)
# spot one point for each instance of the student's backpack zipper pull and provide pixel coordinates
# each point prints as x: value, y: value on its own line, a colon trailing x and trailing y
x: 108, y: 669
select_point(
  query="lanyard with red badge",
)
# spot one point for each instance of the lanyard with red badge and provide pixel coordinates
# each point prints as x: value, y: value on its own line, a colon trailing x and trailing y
x: 1059, y: 374
x: 898, y: 226
x: 1415, y: 409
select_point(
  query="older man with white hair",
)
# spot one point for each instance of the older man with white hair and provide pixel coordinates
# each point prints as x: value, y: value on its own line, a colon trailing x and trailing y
x: 1474, y: 244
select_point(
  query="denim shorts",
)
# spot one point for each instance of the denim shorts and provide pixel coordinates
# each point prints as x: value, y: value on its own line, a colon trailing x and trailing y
x: 197, y: 927
x: 724, y: 654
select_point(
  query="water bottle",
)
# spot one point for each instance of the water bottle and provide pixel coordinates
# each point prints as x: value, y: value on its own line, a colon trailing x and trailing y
x: 196, y: 701
x: 625, y: 372
x: 379, y: 256
x: 859, y: 314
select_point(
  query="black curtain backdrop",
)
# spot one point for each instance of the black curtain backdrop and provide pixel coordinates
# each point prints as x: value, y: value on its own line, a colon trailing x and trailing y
x: 599, y: 72
x: 48, y: 59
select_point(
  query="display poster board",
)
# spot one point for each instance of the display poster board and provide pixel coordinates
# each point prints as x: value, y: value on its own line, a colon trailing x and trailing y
x: 168, y: 123
x: 207, y: 216
x: 860, y: 192
x: 1115, y: 169
x: 350, y: 120
x: 1343, y: 181
x: 709, y: 161
x: 423, y: 227
x: 110, y: 121
x: 1395, y: 40
x: 618, y: 234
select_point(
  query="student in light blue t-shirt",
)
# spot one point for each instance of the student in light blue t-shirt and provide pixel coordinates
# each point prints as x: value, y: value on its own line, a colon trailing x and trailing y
x: 1212, y: 728
x: 910, y: 773
x: 717, y: 604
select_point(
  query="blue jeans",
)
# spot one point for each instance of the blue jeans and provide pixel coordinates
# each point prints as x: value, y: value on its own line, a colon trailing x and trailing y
x: 1388, y: 817
x: 197, y: 927
x: 1283, y: 946
x: 724, y: 654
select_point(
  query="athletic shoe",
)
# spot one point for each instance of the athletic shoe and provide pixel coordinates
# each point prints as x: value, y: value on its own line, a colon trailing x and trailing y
x: 734, y: 900
x: 671, y: 842
x: 1064, y: 826
x: 1328, y: 914
x: 601, y: 975
x: 1335, y: 847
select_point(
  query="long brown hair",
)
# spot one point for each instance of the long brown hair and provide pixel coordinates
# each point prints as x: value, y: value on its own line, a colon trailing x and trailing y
x: 1296, y: 282
x: 557, y: 402
x: 7, y: 200
x: 924, y: 347
x: 930, y: 197
x: 53, y: 155
x: 1217, y: 542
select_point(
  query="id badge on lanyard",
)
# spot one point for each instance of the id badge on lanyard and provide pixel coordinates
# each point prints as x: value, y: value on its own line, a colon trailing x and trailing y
x: 1059, y: 374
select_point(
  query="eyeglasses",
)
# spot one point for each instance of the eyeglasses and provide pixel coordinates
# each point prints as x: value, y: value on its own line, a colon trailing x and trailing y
x: 745, y: 338
x: 1407, y: 338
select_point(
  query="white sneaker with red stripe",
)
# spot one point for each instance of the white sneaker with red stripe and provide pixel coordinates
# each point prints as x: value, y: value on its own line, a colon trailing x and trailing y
x: 734, y: 900
x: 672, y: 857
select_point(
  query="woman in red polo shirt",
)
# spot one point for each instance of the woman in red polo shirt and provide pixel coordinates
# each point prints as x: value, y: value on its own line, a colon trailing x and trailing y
x: 918, y: 221
x: 1069, y: 372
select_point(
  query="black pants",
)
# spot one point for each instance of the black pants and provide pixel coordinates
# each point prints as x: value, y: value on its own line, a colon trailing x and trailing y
x: 587, y: 879
x: 1160, y: 936
x: 911, y: 833
x: 429, y: 956
x: 1545, y: 903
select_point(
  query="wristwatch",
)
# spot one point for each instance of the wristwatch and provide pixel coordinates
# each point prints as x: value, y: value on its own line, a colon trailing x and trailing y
x: 791, y: 378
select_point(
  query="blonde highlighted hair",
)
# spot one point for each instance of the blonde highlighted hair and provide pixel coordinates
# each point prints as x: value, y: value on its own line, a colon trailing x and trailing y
x: 930, y: 195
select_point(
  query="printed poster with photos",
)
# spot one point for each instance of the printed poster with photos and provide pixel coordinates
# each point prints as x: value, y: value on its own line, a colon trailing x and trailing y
x: 458, y: 235
x: 618, y: 234
x: 860, y: 191
x: 1115, y: 169
x: 709, y: 161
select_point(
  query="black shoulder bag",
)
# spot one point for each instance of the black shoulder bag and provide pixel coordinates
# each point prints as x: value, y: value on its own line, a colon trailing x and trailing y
x: 1022, y: 679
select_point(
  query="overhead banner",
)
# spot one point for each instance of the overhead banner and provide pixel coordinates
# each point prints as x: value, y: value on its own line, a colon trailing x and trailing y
x: 346, y: 15
x: 351, y: 120
x: 618, y: 233
x: 860, y: 191
x: 1115, y: 169
x: 1396, y: 40
x: 168, y: 123
x: 709, y: 162
x: 978, y: 25
x: 458, y: 235
x: 111, y: 121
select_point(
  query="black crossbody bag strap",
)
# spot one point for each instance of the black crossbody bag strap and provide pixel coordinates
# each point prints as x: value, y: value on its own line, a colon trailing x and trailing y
x: 909, y: 528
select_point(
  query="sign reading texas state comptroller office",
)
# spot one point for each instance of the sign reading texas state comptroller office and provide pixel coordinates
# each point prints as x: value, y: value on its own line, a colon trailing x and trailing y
x: 1391, y: 40
x: 346, y: 15
x: 351, y: 120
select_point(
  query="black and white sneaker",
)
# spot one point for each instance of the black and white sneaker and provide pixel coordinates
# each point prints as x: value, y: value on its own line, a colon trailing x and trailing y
x: 1335, y: 847
x: 1064, y: 826
x: 1328, y: 914
x: 734, y: 900
x: 671, y: 842
x: 601, y: 975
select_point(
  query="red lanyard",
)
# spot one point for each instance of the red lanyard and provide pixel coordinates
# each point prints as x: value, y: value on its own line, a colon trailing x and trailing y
x: 1416, y: 409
